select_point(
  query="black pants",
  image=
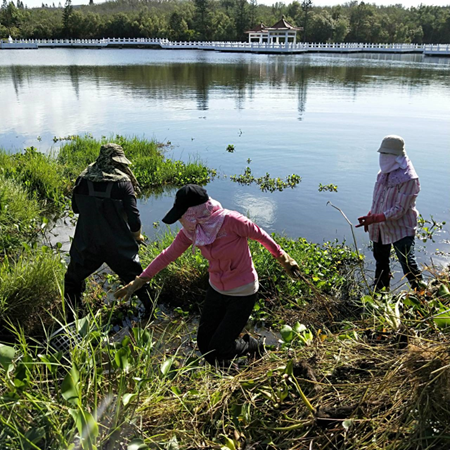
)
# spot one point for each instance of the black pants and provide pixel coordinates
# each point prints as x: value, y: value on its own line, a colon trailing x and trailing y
x: 126, y: 268
x: 404, y: 248
x: 222, y: 320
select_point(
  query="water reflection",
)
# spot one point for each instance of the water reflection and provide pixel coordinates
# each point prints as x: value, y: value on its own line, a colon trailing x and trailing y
x: 320, y: 116
x: 178, y: 81
x: 260, y: 210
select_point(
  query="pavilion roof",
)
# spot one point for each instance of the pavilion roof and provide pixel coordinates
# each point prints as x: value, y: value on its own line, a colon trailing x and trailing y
x: 261, y: 28
x: 283, y: 25
x: 280, y: 25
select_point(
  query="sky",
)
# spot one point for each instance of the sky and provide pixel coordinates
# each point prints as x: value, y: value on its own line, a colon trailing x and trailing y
x: 405, y: 3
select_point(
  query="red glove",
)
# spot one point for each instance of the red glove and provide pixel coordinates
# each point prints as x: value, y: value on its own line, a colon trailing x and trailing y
x: 369, y: 220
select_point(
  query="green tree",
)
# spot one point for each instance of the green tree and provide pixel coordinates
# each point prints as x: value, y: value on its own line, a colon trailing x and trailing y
x: 178, y: 27
x: 321, y: 26
x: 11, y: 19
x: 203, y: 18
x: 360, y: 24
x: 341, y: 29
x: 68, y: 11
x: 241, y: 19
x: 223, y: 26
x: 294, y: 10
x: 306, y: 8
x: 253, y: 13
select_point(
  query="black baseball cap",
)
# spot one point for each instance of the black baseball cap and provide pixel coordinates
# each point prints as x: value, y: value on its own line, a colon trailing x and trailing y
x: 187, y: 196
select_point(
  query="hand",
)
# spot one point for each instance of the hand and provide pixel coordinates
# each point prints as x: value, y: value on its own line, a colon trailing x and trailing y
x: 138, y: 236
x: 365, y: 221
x: 289, y: 265
x: 366, y: 227
x: 127, y: 291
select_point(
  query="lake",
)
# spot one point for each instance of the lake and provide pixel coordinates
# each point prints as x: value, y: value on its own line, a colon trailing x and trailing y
x: 319, y: 116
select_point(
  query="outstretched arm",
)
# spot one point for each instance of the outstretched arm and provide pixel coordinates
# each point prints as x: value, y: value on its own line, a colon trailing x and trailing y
x: 180, y: 244
x: 245, y: 227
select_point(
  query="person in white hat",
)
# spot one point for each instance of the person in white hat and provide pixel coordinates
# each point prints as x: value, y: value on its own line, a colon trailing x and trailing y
x: 392, y: 219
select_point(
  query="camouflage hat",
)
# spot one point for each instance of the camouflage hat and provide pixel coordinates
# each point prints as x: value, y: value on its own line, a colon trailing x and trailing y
x: 114, y: 152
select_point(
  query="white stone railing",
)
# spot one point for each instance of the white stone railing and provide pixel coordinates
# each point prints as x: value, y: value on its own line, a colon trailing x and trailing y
x: 442, y: 49
x: 436, y: 49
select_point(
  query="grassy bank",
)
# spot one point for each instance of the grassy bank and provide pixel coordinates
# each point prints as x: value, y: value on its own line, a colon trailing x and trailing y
x: 352, y: 369
x: 49, y: 178
x: 379, y: 380
x: 149, y: 164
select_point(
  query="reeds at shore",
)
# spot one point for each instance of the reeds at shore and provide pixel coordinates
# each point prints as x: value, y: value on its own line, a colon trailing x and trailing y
x: 350, y: 369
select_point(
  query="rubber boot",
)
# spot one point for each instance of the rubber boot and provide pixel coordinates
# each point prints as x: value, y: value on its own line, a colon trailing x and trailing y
x: 255, y: 347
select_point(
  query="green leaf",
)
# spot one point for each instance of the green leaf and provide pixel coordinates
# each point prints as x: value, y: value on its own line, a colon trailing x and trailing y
x: 347, y: 424
x: 6, y: 355
x: 126, y: 399
x: 299, y: 327
x: 69, y: 386
x: 83, y: 326
x: 289, y: 370
x: 286, y: 333
x: 166, y: 366
x: 86, y: 425
x: 121, y: 358
x: 443, y: 291
x: 142, y: 337
x: 176, y: 390
x: 228, y: 443
x: 216, y: 397
x: 137, y: 444
x: 248, y: 384
x: 35, y: 435
x: 125, y: 341
x: 442, y: 320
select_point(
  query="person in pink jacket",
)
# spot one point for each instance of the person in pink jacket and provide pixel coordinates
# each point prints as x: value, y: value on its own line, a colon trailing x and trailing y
x: 221, y: 236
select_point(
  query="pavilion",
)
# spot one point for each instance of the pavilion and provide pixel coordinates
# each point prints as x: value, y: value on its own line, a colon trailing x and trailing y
x: 280, y: 33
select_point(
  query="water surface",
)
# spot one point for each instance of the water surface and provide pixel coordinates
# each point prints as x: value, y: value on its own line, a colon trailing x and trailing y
x: 319, y: 116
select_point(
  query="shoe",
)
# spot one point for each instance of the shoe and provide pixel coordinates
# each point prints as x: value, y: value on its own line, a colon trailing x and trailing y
x: 255, y: 347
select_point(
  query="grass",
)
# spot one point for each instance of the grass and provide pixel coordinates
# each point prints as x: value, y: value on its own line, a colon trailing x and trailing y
x: 149, y: 164
x: 374, y: 387
x: 19, y: 216
x: 30, y: 288
x: 49, y: 178
x: 39, y: 174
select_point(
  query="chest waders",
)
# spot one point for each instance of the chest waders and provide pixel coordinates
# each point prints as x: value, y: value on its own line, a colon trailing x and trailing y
x: 102, y: 235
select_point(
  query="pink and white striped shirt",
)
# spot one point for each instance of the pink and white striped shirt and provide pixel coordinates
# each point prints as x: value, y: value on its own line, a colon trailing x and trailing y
x: 395, y: 195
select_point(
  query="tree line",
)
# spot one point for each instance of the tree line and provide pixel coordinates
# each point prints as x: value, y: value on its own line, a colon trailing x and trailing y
x: 225, y: 20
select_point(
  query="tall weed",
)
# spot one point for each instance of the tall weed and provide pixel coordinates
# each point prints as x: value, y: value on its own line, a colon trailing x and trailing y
x: 40, y: 174
x: 19, y: 215
x: 30, y: 288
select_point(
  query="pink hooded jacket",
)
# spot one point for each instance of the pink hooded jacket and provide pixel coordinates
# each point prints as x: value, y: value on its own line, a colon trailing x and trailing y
x: 230, y: 261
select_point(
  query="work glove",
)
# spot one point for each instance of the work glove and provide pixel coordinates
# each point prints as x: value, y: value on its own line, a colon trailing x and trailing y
x: 289, y: 265
x: 127, y: 291
x: 139, y: 238
x: 365, y: 221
